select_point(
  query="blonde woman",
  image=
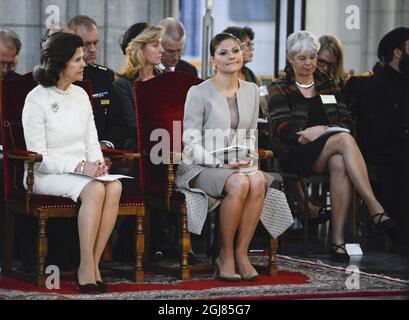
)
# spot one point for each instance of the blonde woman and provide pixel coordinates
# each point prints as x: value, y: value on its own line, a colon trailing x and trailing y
x: 143, y: 55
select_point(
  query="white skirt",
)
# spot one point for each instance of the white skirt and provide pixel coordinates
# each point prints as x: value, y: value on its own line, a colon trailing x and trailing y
x: 60, y: 185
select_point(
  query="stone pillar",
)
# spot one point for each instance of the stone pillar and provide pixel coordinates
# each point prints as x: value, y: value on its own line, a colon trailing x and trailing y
x: 28, y: 18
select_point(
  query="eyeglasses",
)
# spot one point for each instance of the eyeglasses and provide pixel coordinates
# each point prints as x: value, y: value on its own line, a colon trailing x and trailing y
x: 246, y: 45
x: 7, y: 65
x: 324, y: 63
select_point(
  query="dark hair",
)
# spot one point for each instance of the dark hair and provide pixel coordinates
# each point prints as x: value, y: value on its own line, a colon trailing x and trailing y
x: 131, y: 33
x: 56, y: 52
x: 247, y: 31
x: 218, y: 38
x: 240, y: 32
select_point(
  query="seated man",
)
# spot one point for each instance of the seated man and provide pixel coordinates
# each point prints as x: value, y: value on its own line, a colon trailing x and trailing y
x: 106, y: 111
x: 173, y: 42
x: 382, y: 108
x: 10, y: 46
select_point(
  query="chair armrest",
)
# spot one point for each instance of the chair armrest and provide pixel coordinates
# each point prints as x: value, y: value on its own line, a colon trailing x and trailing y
x: 121, y: 154
x: 265, y: 154
x: 31, y: 157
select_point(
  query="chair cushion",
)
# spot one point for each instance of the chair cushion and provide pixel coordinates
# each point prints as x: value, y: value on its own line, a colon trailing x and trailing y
x: 127, y: 201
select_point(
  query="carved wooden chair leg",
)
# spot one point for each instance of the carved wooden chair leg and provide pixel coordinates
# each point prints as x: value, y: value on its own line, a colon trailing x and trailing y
x: 185, y: 246
x: 140, y: 247
x: 272, y: 267
x: 42, y: 249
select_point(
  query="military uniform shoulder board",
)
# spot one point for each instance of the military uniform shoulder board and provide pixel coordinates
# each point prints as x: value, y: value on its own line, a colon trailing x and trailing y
x: 96, y: 66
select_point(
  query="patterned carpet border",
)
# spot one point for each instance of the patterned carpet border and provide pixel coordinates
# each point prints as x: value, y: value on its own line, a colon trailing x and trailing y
x: 322, y: 281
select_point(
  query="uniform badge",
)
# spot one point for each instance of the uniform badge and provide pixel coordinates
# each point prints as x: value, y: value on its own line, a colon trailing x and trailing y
x: 55, y: 107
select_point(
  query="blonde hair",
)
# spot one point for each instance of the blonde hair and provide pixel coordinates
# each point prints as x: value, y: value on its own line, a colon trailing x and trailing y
x: 334, y: 46
x: 134, y: 55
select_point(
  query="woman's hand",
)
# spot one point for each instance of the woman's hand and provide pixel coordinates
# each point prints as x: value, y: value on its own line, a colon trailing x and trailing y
x: 310, y: 134
x: 93, y: 169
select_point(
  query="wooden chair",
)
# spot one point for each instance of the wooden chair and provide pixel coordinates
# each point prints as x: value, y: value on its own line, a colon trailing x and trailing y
x: 160, y: 105
x: 41, y: 207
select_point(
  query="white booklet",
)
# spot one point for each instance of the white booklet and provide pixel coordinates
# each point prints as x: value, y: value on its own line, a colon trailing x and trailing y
x: 336, y: 130
x: 106, y: 178
x: 237, y: 152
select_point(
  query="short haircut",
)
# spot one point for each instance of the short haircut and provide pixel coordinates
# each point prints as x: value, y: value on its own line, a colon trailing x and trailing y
x: 174, y: 29
x: 85, y: 21
x: 56, y: 52
x: 8, y: 37
x: 240, y: 32
x: 302, y: 41
x: 218, y: 38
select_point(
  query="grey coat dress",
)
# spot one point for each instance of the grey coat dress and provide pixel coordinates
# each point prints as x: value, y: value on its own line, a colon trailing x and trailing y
x: 207, y: 127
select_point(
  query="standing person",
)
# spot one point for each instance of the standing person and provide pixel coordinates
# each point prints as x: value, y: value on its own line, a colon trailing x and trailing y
x: 302, y: 107
x: 224, y: 110
x: 10, y: 46
x: 173, y: 42
x: 246, y: 36
x: 382, y: 106
x: 107, y: 114
x: 143, y: 56
x: 51, y: 111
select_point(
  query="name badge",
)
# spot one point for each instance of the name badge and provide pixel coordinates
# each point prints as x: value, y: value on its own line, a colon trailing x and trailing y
x: 328, y: 99
x: 105, y: 102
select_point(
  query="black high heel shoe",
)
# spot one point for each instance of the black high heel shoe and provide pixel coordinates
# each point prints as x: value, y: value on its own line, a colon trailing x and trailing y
x: 102, y: 287
x: 88, y: 288
x: 338, y: 256
x: 387, y: 225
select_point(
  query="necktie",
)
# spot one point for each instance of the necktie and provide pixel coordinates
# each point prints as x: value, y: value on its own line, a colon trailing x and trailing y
x: 167, y: 69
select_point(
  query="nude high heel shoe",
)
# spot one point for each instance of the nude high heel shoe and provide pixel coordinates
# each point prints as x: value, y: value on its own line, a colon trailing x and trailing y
x: 224, y: 275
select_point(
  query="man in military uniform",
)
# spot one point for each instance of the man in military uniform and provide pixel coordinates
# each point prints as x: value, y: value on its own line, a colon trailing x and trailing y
x: 382, y: 107
x: 106, y: 108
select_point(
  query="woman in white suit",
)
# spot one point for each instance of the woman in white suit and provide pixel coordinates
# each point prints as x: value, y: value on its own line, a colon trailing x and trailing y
x: 227, y: 108
x: 58, y: 123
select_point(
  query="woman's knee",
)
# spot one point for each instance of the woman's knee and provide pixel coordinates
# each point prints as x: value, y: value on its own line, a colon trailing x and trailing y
x: 93, y: 190
x: 257, y: 183
x: 343, y: 140
x: 238, y: 185
x: 113, y: 189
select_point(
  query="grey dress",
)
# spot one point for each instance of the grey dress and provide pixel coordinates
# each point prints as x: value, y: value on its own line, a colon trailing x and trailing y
x: 206, y: 110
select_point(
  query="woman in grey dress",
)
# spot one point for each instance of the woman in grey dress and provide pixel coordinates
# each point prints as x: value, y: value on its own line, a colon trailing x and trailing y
x: 221, y: 112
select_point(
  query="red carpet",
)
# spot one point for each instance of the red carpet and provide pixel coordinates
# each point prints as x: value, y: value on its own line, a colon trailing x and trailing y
x: 297, y: 279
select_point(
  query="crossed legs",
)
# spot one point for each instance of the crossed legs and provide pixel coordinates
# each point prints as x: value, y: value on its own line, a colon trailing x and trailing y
x: 343, y: 159
x: 96, y: 220
x: 239, y: 215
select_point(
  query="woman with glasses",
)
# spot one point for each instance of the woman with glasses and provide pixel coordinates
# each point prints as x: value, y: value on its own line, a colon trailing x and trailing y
x: 303, y: 106
x: 331, y: 59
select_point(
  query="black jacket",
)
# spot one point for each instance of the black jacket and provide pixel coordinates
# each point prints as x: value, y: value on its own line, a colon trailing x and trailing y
x: 381, y: 105
x: 105, y: 104
x: 184, y: 66
x: 11, y: 75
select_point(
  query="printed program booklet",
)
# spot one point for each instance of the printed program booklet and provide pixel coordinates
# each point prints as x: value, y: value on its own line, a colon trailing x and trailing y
x: 106, y: 178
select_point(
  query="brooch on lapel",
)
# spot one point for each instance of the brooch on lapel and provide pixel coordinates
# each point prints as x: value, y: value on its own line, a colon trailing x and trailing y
x: 55, y: 107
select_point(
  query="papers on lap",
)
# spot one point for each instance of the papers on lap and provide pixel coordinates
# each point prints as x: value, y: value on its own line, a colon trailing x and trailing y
x: 238, y: 152
x: 335, y: 130
x: 106, y: 178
